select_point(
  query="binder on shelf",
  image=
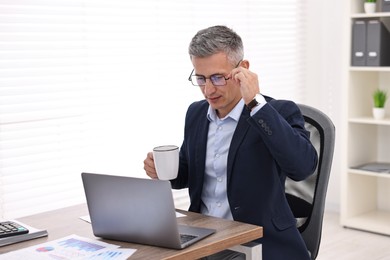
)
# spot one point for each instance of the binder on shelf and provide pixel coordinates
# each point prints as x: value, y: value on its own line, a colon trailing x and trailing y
x: 359, y: 43
x: 378, y: 44
x: 385, y: 6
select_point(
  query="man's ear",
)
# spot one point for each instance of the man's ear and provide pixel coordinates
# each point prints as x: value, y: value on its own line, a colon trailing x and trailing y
x: 244, y: 64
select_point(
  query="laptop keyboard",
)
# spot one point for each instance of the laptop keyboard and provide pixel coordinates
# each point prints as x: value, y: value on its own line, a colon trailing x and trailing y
x: 184, y: 238
x: 10, y: 228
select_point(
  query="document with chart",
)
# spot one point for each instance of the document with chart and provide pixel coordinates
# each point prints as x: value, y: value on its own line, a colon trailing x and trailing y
x: 71, y: 247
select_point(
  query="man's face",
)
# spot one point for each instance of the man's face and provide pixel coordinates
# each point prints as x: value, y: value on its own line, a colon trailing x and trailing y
x: 221, y: 98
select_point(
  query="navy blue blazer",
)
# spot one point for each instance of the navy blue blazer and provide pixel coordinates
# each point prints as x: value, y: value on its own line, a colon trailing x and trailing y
x: 265, y: 148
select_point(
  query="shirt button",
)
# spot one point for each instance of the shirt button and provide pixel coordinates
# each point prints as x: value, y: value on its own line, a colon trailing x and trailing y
x: 219, y: 204
x: 217, y: 155
x: 220, y: 128
x: 219, y: 179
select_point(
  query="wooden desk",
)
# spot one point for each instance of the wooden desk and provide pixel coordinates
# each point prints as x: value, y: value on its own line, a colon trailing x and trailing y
x: 66, y: 221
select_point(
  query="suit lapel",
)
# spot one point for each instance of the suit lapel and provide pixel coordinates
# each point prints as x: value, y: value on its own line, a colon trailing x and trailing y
x: 201, y: 146
x: 238, y: 136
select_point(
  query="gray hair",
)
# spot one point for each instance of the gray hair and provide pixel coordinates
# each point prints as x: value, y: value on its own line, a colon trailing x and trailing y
x: 217, y: 39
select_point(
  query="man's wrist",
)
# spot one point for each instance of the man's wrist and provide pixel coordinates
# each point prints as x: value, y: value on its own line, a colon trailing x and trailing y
x: 255, y: 102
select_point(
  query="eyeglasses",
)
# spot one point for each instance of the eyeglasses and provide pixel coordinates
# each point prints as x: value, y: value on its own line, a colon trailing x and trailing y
x: 216, y: 79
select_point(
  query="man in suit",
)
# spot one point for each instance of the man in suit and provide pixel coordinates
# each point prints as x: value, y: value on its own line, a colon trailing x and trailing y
x: 239, y: 146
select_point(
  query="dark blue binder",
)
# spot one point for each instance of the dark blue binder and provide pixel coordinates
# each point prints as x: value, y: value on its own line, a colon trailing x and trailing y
x: 378, y: 44
x: 385, y: 6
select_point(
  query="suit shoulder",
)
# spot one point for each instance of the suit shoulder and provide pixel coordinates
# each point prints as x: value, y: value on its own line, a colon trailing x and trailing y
x: 196, y: 111
x: 281, y: 104
x: 197, y: 107
x: 198, y: 104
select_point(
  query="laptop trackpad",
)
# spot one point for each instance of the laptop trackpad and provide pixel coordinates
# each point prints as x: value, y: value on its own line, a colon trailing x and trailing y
x: 190, y: 234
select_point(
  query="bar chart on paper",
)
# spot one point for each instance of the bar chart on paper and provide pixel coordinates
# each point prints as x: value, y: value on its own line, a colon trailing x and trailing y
x: 72, y: 247
x: 80, y: 245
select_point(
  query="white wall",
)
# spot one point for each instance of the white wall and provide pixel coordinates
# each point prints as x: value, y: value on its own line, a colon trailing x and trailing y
x: 325, y: 79
x: 127, y: 147
x: 325, y: 76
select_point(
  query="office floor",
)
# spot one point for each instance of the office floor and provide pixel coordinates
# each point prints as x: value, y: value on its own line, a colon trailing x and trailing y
x: 348, y: 244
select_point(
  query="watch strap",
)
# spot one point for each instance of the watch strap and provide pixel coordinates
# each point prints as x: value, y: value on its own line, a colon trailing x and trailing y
x: 252, y: 104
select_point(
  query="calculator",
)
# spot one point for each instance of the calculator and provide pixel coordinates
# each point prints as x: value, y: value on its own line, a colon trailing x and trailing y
x: 10, y: 228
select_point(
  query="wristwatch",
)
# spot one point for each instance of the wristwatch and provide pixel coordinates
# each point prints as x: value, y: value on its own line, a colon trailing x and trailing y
x: 253, y: 103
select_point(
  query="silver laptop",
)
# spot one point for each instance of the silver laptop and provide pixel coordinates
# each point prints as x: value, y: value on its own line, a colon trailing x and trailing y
x: 136, y: 210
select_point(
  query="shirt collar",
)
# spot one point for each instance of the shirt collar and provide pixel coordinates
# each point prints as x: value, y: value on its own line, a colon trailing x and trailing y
x: 234, y: 114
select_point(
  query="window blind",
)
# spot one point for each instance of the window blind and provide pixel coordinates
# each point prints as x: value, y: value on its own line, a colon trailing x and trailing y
x: 93, y: 85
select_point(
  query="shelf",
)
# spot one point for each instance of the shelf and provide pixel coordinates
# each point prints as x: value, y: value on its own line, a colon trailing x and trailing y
x: 365, y: 203
x: 374, y: 221
x: 368, y: 173
x: 369, y: 120
x: 373, y: 15
x: 368, y: 68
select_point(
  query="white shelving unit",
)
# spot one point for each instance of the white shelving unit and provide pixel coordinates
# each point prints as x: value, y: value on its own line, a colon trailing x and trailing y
x: 365, y: 203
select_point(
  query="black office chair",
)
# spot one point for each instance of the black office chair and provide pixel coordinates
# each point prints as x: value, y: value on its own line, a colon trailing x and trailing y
x: 307, y: 198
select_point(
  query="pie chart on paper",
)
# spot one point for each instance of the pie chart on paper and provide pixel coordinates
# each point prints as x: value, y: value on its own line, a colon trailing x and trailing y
x: 45, y: 249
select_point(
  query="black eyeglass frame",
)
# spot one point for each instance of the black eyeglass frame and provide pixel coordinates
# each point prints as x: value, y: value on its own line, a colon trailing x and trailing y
x: 190, y: 77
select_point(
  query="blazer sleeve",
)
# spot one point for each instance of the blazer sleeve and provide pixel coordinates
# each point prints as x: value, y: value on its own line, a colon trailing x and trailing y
x: 282, y: 128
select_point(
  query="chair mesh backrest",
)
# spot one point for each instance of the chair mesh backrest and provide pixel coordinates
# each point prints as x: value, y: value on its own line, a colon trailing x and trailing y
x: 305, y: 190
x: 307, y: 198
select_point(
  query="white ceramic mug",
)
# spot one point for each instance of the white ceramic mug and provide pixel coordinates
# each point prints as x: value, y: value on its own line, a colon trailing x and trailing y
x: 166, y: 161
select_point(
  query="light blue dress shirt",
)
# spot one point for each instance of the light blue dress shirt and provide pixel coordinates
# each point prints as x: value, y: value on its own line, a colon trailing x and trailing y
x: 221, y: 130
